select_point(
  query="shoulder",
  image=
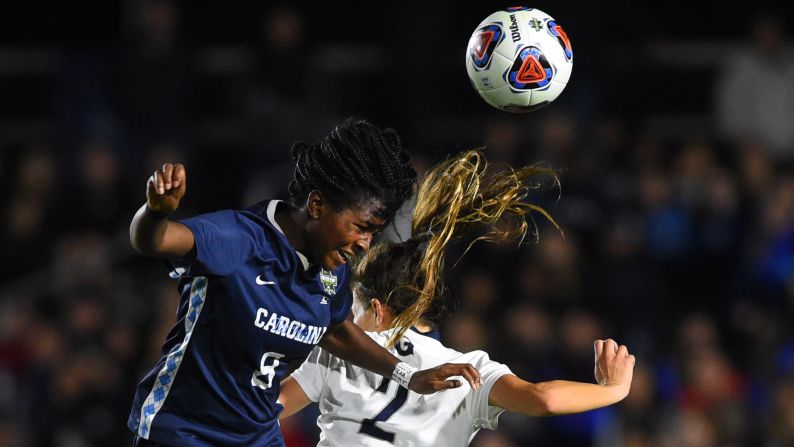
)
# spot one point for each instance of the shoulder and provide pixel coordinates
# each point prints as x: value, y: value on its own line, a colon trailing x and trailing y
x: 477, y: 358
x: 259, y: 221
x: 431, y: 352
x: 417, y: 349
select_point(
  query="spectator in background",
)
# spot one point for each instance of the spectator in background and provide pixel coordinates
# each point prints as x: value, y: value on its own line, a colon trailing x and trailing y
x: 153, y: 78
x: 29, y: 208
x: 755, y: 90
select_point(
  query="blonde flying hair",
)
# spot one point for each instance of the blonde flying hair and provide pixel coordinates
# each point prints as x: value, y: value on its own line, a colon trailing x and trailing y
x: 457, y: 199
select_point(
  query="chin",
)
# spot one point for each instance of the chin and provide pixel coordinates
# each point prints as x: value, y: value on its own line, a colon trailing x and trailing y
x: 330, y: 264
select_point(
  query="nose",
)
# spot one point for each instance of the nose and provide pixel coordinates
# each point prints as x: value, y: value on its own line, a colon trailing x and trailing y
x: 362, y: 245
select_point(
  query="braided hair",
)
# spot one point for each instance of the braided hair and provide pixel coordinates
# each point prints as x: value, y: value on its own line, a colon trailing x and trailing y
x: 356, y: 163
x: 456, y: 200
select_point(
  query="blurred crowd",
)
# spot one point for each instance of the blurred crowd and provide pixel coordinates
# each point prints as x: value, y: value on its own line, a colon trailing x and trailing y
x: 679, y: 244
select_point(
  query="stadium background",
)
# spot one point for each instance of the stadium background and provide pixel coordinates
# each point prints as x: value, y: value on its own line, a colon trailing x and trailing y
x: 677, y: 196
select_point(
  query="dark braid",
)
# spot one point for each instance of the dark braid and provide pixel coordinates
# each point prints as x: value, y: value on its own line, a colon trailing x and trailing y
x: 356, y: 163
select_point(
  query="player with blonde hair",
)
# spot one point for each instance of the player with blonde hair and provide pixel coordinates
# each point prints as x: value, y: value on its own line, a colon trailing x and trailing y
x: 396, y: 284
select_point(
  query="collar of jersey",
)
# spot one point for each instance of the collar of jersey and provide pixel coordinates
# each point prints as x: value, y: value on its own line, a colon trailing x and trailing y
x: 271, y: 216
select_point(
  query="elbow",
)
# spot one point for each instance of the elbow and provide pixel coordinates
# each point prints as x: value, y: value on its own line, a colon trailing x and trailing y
x: 135, y: 239
x: 547, y: 404
x: 135, y: 245
x: 143, y: 248
x: 139, y: 247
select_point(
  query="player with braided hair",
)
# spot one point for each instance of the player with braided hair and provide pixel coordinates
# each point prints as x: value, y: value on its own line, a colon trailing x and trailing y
x: 396, y: 284
x: 352, y: 165
x: 262, y: 286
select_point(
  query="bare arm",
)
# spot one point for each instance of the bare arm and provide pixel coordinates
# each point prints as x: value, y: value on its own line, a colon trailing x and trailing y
x: 614, y: 369
x: 151, y: 233
x: 348, y: 342
x: 292, y: 397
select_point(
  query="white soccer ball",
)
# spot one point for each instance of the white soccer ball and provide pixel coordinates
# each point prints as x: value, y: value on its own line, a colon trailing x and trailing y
x: 519, y: 59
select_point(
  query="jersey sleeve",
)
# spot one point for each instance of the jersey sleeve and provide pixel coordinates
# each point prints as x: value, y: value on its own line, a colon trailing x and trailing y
x: 312, y: 373
x: 223, y: 242
x: 484, y: 415
x: 343, y: 301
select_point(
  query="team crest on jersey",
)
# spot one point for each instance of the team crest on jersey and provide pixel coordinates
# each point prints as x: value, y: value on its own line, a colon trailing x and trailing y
x: 328, y: 279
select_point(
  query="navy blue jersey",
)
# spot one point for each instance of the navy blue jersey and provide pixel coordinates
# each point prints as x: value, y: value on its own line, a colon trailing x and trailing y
x: 249, y: 304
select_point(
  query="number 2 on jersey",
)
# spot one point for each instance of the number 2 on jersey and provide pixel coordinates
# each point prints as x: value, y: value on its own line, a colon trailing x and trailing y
x: 368, y: 425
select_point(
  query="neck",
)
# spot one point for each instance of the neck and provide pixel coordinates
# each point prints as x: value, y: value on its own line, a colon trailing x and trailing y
x: 386, y: 324
x: 293, y: 221
x: 423, y: 327
x: 419, y: 326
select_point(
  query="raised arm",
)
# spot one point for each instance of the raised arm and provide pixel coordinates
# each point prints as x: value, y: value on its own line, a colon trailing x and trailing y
x: 151, y: 232
x: 614, y: 368
x: 348, y: 342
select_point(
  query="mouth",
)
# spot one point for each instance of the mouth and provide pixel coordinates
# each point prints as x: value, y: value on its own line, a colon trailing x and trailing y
x: 345, y: 256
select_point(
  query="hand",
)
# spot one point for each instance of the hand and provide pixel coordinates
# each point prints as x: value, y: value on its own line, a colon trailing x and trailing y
x: 429, y: 381
x: 614, y: 366
x: 166, y: 187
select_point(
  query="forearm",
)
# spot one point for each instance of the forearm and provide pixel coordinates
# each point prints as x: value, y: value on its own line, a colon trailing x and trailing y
x: 292, y: 398
x: 155, y: 235
x: 350, y: 343
x: 565, y: 397
x: 553, y: 397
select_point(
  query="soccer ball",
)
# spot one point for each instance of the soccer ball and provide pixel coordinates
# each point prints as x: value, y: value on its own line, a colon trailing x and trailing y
x: 519, y: 59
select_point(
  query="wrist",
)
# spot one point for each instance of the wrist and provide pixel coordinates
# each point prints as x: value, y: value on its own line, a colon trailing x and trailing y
x: 618, y: 390
x: 154, y: 214
x: 402, y: 374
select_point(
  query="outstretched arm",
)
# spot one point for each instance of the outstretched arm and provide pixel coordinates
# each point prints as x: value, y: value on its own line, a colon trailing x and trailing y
x: 614, y: 368
x: 292, y: 397
x: 151, y: 233
x: 348, y: 342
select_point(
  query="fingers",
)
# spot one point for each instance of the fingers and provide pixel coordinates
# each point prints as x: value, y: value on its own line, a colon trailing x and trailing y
x: 598, y: 372
x: 151, y: 186
x: 179, y: 175
x: 432, y: 380
x: 170, y: 176
x: 446, y: 384
x: 159, y: 187
x: 606, y: 350
x: 466, y: 370
x: 168, y: 171
x: 472, y: 376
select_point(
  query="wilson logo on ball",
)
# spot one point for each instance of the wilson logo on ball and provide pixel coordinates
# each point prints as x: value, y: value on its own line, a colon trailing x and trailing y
x: 531, y: 70
x: 483, y: 43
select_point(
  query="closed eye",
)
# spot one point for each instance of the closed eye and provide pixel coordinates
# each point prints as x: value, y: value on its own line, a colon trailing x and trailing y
x: 374, y: 230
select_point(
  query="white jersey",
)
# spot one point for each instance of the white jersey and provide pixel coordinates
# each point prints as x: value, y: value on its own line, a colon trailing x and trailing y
x: 361, y: 408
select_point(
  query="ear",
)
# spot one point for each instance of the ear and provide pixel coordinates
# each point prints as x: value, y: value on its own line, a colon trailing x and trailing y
x: 314, y: 204
x: 378, y: 309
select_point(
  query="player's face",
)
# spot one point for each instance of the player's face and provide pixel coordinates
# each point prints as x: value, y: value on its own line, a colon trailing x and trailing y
x: 338, y: 236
